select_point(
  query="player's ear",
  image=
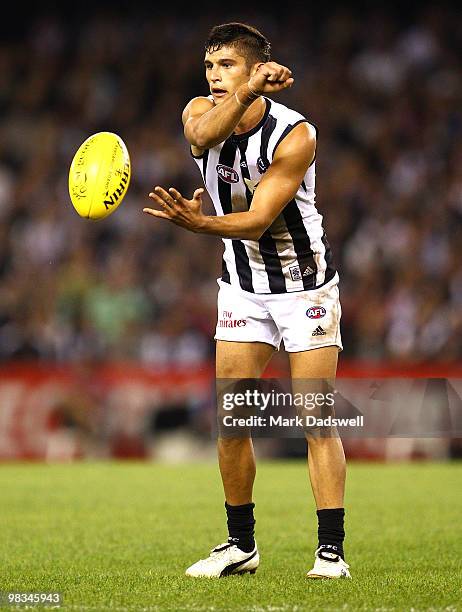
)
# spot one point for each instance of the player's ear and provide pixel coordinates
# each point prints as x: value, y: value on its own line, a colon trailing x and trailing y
x: 255, y: 67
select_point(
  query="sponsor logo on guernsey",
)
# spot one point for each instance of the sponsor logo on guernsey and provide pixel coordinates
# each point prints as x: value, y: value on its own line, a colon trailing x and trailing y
x: 315, y: 312
x: 295, y: 273
x: 227, y: 174
x: 228, y: 321
x: 262, y: 167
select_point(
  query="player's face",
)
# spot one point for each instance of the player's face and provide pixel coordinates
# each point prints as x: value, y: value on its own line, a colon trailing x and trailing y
x: 225, y: 71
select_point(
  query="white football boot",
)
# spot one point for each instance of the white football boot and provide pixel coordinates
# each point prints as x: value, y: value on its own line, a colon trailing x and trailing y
x: 224, y: 560
x: 328, y: 565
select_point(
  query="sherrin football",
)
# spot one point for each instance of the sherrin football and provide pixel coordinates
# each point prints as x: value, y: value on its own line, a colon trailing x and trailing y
x: 99, y: 175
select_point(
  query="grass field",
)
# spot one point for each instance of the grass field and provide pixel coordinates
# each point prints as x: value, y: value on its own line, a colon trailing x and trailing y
x: 118, y: 537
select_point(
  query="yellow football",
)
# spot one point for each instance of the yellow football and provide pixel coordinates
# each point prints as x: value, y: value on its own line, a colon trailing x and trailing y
x: 99, y: 175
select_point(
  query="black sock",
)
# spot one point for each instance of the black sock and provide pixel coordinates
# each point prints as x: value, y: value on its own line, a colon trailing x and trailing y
x: 241, y: 525
x: 330, y: 529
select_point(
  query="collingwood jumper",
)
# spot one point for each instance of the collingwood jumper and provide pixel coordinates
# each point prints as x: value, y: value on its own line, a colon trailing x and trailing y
x: 293, y: 254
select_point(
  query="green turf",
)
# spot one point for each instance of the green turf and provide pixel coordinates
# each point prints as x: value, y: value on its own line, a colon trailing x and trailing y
x: 118, y: 537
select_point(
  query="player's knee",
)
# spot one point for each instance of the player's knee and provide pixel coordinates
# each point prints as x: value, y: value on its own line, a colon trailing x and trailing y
x: 232, y: 445
x: 229, y: 369
x: 319, y: 437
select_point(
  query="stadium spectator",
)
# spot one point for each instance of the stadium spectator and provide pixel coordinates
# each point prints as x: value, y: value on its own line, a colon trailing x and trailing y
x: 385, y: 92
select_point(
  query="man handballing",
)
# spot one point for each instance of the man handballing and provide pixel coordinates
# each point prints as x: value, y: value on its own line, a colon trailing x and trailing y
x: 257, y: 159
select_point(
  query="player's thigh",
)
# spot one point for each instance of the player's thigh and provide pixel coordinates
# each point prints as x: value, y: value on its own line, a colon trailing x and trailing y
x: 242, y: 359
x: 315, y: 363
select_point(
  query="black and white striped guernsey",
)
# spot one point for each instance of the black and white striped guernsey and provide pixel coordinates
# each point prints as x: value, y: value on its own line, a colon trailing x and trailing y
x: 293, y: 254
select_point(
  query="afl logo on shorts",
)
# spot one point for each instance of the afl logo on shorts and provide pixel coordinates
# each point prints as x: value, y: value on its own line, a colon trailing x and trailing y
x: 316, y: 312
x: 227, y: 174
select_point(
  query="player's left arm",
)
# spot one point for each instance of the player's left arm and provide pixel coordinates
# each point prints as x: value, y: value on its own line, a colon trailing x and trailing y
x: 276, y: 189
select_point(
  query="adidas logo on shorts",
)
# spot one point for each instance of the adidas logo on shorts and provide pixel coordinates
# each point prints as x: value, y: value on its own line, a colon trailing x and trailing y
x: 319, y: 331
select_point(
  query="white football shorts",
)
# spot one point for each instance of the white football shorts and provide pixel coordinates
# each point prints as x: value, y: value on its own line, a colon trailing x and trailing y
x: 305, y: 320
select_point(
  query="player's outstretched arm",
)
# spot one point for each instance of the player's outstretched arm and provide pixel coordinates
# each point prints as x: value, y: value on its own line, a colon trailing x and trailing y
x: 276, y: 189
x: 206, y: 125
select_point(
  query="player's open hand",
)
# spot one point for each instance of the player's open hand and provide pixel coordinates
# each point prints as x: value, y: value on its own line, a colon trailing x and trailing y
x: 270, y: 78
x: 176, y: 208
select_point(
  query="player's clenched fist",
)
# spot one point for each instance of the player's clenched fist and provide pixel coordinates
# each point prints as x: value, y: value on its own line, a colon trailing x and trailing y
x: 270, y: 77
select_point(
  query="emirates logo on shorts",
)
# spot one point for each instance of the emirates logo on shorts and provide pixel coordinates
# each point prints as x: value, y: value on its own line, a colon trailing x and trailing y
x: 228, y: 321
x: 227, y: 174
x: 232, y: 323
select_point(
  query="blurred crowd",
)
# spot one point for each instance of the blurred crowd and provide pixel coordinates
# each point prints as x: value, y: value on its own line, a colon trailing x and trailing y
x: 386, y: 94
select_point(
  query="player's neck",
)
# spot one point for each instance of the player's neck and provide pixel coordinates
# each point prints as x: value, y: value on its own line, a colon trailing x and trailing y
x: 252, y: 116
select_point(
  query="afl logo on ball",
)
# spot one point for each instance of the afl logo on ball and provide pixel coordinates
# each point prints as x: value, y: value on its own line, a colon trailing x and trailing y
x: 227, y: 174
x: 316, y: 312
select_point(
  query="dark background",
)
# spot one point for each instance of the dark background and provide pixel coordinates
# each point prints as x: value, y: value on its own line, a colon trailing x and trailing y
x: 384, y: 87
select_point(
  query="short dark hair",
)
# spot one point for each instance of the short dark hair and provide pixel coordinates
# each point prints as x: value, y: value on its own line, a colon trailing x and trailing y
x: 254, y: 46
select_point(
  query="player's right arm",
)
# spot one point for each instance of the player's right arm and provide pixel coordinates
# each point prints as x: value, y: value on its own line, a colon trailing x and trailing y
x: 207, y: 124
